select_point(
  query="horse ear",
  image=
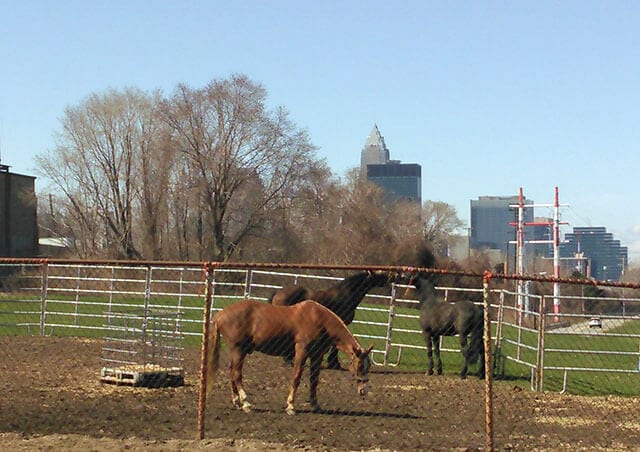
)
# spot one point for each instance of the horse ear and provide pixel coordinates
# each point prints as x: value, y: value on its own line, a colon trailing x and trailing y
x: 369, y: 349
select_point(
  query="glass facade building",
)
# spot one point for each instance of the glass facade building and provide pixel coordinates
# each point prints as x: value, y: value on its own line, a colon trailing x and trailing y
x: 606, y: 258
x: 400, y: 181
x: 492, y: 223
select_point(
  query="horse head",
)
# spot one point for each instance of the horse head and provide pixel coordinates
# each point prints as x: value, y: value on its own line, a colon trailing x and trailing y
x: 359, y: 368
x: 381, y: 279
x: 424, y: 283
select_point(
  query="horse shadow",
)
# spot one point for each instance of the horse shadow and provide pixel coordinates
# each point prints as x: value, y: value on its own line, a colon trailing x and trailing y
x: 344, y: 413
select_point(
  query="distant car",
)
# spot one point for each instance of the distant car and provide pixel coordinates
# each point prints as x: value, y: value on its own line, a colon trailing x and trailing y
x: 595, y: 322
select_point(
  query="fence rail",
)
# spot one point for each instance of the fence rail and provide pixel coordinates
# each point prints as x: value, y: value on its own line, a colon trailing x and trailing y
x: 551, y: 349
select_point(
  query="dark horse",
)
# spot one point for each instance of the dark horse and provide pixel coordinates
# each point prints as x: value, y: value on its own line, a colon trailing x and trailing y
x: 308, y: 327
x: 440, y: 318
x: 343, y: 299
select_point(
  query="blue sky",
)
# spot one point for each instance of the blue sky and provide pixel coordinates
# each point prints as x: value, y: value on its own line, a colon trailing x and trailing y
x: 487, y: 96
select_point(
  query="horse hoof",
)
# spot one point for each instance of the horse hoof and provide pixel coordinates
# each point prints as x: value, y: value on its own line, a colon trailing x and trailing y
x: 315, y: 407
x: 246, y: 408
x: 290, y: 411
x: 430, y: 372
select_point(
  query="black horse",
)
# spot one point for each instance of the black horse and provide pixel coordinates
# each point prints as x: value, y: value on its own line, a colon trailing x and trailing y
x: 440, y: 318
x: 343, y: 298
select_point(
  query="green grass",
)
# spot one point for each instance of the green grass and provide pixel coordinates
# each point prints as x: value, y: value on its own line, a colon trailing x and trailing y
x: 87, y: 317
x: 580, y: 352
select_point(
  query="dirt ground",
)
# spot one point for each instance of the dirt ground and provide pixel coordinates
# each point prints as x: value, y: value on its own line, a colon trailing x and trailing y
x: 51, y: 399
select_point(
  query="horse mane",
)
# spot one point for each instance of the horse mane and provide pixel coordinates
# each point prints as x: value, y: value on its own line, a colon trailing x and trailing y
x: 353, y: 280
x: 292, y: 295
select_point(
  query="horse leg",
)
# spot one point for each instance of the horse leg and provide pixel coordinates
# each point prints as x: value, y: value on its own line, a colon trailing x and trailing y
x: 298, y: 365
x: 427, y: 339
x: 332, y: 360
x: 314, y: 379
x: 232, y: 380
x: 238, y: 395
x: 481, y: 369
x: 465, y: 355
x: 436, y: 349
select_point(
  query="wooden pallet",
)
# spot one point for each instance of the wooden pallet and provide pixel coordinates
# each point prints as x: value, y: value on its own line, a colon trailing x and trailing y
x: 149, y: 376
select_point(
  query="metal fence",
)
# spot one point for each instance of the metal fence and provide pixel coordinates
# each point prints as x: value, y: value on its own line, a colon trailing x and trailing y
x: 569, y: 344
x: 531, y: 341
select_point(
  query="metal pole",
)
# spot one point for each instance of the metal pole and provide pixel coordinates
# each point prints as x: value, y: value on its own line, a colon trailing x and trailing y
x: 248, y: 280
x: 206, y: 316
x: 488, y: 375
x: 392, y: 313
x: 43, y: 296
x: 520, y: 252
x: 540, y: 357
x: 556, y: 255
x: 146, y: 331
x: 498, y: 339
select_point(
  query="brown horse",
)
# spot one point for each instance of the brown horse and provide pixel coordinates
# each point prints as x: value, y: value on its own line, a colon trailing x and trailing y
x: 343, y: 299
x: 308, y: 327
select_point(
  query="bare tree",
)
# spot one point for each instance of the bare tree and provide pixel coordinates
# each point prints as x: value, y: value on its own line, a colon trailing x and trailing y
x: 157, y: 164
x: 439, y: 222
x: 96, y: 167
x: 360, y: 225
x: 242, y: 155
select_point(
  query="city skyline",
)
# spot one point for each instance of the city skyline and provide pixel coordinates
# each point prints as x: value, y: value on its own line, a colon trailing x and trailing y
x: 487, y: 98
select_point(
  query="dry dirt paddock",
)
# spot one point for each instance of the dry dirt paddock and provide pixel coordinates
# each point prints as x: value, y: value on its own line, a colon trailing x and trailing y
x: 51, y: 399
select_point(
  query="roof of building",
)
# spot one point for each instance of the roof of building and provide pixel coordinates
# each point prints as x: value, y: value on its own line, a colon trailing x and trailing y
x: 375, y: 139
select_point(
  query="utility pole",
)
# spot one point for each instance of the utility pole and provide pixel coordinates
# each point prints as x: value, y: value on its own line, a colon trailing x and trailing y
x: 521, y: 249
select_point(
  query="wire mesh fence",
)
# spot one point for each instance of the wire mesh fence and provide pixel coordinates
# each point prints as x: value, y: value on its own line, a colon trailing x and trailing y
x: 563, y: 347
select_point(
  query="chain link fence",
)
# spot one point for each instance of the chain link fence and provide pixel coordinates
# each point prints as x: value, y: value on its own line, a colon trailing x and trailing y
x: 562, y: 368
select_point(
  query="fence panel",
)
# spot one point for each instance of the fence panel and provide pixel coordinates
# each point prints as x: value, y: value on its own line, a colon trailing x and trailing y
x: 589, y: 347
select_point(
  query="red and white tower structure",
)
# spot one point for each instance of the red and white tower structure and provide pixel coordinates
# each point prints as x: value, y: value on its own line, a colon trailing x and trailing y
x: 521, y: 246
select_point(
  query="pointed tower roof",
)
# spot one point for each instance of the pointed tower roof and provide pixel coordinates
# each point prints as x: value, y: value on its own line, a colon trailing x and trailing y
x: 374, y: 151
x: 375, y: 139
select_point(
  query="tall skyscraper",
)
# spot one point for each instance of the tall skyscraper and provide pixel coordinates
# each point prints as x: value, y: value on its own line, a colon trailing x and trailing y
x: 492, y: 223
x: 401, y: 181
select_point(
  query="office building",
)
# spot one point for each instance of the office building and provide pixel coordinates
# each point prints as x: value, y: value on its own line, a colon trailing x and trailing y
x: 493, y: 223
x: 601, y: 253
x: 401, y: 181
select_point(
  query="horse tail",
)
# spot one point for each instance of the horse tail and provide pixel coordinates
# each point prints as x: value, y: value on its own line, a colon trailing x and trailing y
x: 213, y: 363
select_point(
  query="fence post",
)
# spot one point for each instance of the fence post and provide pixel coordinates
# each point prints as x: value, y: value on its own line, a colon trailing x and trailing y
x: 77, y: 297
x: 145, y: 312
x: 43, y: 295
x: 248, y: 281
x: 540, y: 357
x: 392, y: 313
x: 498, y: 339
x: 206, y: 316
x: 488, y: 374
